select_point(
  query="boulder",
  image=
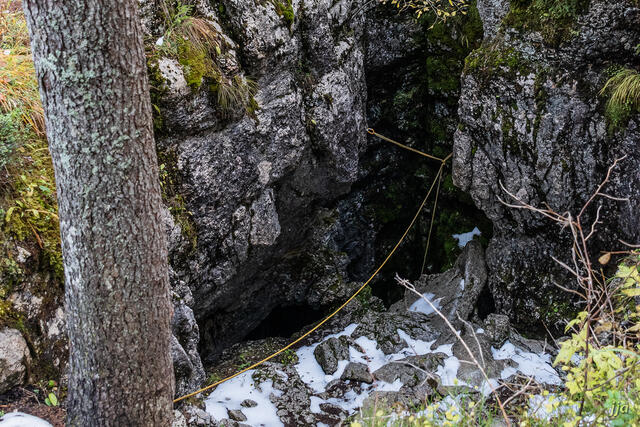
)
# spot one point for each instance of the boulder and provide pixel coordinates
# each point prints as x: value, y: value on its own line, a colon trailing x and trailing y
x: 14, y: 359
x: 357, y: 372
x: 455, y: 292
x: 330, y: 352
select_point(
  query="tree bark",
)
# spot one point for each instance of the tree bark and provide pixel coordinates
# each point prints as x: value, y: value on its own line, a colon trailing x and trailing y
x: 91, y: 68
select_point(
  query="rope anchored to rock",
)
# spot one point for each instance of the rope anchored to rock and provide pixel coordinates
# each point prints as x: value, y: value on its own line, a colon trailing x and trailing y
x: 360, y: 289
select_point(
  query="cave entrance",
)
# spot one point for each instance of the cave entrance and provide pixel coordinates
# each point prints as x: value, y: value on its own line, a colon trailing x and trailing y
x: 284, y: 321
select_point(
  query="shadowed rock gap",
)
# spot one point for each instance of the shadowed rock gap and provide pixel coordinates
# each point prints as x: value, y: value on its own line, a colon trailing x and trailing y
x: 284, y: 321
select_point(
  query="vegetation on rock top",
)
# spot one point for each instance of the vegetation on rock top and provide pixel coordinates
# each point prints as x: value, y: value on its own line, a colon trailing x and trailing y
x: 623, y: 89
x: 553, y: 19
x: 200, y: 49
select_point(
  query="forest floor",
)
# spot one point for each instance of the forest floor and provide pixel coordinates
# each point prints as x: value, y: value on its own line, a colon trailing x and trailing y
x: 31, y: 401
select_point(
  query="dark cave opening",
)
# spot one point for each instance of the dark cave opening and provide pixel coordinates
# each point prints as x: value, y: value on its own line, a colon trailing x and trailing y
x: 284, y: 321
x: 486, y: 304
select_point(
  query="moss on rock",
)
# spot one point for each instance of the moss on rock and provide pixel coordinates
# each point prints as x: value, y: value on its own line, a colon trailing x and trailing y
x: 555, y: 20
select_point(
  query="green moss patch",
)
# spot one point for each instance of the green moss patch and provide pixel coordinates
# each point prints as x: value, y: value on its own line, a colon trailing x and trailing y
x: 170, y: 183
x: 555, y: 20
x: 494, y: 60
x: 284, y: 9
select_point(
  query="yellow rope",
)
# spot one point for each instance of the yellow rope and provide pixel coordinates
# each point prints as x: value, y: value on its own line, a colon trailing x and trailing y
x: 433, y: 217
x: 406, y: 147
x: 375, y: 273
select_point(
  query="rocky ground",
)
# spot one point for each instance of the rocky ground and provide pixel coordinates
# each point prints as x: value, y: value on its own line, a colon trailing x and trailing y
x: 286, y: 204
x: 404, y: 355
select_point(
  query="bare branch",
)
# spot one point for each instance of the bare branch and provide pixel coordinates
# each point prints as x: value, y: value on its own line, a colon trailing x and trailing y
x: 629, y: 244
x: 411, y: 288
x: 602, y: 184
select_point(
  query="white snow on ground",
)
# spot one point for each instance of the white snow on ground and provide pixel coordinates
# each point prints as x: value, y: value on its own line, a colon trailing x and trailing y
x: 423, y: 307
x: 19, y: 419
x: 231, y: 394
x: 488, y: 387
x: 533, y: 365
x: 465, y: 238
x: 414, y: 347
x: 372, y: 356
x: 310, y: 371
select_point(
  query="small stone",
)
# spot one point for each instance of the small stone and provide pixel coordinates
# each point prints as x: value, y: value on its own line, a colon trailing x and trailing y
x: 178, y: 419
x: 357, y: 372
x: 236, y: 415
x: 329, y: 352
x: 406, y: 373
x: 196, y: 417
x: 332, y: 409
x: 248, y: 403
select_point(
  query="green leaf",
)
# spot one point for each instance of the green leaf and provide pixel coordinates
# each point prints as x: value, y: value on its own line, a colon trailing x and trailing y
x: 53, y: 399
x: 9, y: 212
x: 633, y: 292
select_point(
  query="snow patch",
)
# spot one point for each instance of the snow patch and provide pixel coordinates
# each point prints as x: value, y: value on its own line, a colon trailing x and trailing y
x: 448, y: 373
x: 229, y: 396
x: 423, y: 306
x: 465, y: 238
x: 20, y: 419
x: 310, y: 370
x: 533, y: 365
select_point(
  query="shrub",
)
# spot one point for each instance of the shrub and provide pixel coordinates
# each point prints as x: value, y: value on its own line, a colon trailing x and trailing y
x: 440, y: 9
x: 623, y: 89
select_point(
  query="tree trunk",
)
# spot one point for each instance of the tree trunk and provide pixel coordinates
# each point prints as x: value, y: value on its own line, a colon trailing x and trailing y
x: 90, y: 63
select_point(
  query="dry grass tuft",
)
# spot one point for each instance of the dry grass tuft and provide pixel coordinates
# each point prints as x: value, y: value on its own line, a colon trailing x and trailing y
x: 625, y: 88
x: 18, y: 85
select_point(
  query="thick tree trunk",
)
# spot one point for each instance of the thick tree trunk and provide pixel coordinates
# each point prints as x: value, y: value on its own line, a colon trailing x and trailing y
x: 90, y: 64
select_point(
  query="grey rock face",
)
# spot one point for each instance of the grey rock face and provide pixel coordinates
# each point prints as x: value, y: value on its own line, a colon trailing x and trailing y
x: 178, y: 419
x: 237, y: 415
x: 412, y: 371
x: 383, y: 328
x: 294, y: 398
x: 265, y: 188
x: 14, y: 358
x: 537, y: 127
x: 248, y: 403
x: 188, y: 369
x: 491, y: 13
x: 497, y: 328
x: 196, y: 417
